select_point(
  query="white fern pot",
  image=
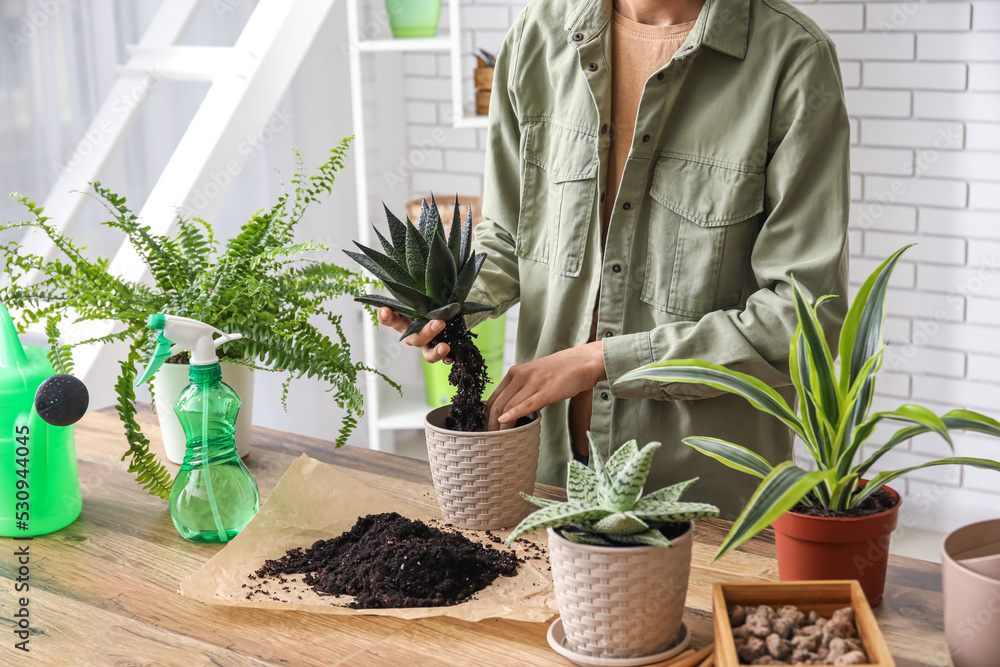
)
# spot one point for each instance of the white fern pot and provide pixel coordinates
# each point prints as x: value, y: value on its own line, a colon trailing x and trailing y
x: 170, y: 381
x: 479, y: 477
x: 620, y: 602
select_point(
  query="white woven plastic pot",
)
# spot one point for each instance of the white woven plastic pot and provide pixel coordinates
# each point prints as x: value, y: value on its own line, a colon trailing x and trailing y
x: 479, y: 477
x: 170, y: 381
x: 620, y: 602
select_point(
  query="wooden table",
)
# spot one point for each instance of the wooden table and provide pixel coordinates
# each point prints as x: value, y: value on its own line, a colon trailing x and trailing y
x: 104, y: 589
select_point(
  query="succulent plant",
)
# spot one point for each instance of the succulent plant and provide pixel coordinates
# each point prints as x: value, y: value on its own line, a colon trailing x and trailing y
x: 605, y: 506
x: 430, y: 274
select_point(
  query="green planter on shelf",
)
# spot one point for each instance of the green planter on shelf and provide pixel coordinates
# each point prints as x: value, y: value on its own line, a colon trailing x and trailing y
x: 413, y: 18
x: 490, y: 341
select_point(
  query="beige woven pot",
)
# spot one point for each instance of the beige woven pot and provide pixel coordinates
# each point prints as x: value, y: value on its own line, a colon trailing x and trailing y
x: 479, y: 477
x: 620, y: 602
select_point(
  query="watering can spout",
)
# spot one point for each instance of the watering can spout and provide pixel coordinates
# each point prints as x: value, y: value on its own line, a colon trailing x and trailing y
x: 11, y: 351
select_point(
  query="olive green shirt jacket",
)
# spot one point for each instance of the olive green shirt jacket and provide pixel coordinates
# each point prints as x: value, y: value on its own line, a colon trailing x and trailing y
x: 736, y: 182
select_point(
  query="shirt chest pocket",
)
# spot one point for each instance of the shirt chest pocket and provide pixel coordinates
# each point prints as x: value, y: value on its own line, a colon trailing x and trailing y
x: 558, y: 185
x: 702, y: 224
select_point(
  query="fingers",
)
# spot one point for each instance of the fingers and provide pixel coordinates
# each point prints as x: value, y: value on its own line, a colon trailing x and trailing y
x: 420, y: 339
x: 437, y: 353
x: 387, y: 317
x: 423, y: 337
x: 498, y: 403
x: 524, y: 403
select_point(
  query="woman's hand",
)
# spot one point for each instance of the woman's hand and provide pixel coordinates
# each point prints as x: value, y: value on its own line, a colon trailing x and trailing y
x: 420, y: 339
x: 532, y: 386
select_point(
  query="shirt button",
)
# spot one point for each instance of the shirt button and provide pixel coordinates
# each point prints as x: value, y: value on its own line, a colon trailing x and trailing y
x: 645, y: 138
x: 577, y: 37
x: 592, y: 67
x: 617, y: 268
x: 604, y: 395
x: 659, y: 77
x: 608, y: 334
x: 604, y: 128
x: 626, y: 206
x: 602, y: 197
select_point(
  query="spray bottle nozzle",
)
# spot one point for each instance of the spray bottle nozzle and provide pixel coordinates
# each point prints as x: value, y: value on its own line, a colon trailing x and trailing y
x: 183, y: 334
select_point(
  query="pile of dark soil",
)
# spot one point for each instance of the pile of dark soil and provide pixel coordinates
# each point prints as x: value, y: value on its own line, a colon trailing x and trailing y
x: 877, y: 502
x: 389, y: 561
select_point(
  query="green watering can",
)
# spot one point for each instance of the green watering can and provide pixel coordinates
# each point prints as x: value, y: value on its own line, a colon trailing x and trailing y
x: 39, y: 485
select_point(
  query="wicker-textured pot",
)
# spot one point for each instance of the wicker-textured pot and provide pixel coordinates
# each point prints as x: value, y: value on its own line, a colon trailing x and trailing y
x: 479, y: 477
x: 620, y: 602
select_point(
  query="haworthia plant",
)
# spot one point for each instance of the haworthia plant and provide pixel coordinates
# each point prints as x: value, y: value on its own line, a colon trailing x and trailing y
x: 429, y: 273
x: 605, y: 507
x: 833, y: 413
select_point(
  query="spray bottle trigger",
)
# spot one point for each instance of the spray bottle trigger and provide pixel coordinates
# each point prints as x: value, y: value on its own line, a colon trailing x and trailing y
x: 161, y: 354
x: 226, y: 338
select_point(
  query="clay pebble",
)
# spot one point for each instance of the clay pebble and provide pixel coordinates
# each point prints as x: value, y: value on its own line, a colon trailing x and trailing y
x: 791, y: 636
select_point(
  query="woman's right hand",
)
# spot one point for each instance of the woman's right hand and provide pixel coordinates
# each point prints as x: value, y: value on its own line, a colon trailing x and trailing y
x: 420, y: 339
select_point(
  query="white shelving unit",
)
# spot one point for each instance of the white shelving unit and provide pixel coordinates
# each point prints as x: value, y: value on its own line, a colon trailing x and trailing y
x: 406, y: 412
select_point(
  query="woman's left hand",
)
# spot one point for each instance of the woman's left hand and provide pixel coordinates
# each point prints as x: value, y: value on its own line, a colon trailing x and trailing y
x: 533, y: 385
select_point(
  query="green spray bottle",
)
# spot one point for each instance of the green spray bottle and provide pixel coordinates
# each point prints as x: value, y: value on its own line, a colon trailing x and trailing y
x: 214, y: 495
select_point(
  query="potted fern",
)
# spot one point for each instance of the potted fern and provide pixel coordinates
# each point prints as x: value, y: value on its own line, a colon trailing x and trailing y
x: 620, y: 559
x: 260, y: 285
x: 477, y: 474
x: 833, y: 522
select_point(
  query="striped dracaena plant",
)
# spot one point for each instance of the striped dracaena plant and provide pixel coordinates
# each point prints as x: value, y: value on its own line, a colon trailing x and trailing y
x: 605, y: 505
x: 430, y: 273
x: 834, y: 416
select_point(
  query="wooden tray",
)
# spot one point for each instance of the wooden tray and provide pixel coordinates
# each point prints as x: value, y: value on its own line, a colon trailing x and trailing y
x: 825, y: 597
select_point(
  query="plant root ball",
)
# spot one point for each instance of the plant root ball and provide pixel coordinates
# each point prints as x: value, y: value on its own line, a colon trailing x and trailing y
x: 62, y: 400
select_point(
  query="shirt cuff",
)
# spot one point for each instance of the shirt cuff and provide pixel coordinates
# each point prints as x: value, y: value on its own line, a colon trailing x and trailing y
x: 626, y: 353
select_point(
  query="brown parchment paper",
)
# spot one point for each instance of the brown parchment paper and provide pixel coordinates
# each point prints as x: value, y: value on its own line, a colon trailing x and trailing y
x: 316, y: 501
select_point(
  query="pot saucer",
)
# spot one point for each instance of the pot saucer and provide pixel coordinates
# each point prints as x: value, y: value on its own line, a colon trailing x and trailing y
x: 557, y: 640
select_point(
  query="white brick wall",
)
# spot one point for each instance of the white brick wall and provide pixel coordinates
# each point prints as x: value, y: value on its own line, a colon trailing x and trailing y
x: 923, y: 91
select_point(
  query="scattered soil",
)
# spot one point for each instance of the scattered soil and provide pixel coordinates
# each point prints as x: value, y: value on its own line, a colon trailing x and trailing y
x: 879, y: 501
x: 468, y: 376
x: 389, y: 561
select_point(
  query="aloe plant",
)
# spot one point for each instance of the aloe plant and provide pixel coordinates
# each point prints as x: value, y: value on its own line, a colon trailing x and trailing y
x: 605, y: 505
x: 833, y: 417
x: 430, y: 274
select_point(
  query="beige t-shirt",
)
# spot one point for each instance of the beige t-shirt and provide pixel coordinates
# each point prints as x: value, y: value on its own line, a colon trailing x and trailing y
x: 637, y: 51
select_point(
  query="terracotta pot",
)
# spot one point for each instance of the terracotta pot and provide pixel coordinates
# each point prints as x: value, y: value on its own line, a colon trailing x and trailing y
x: 479, y: 477
x: 620, y: 602
x: 811, y: 547
x: 170, y: 381
x: 972, y: 594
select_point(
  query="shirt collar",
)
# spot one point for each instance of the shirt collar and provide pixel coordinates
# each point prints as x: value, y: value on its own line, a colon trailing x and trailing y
x: 723, y: 25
